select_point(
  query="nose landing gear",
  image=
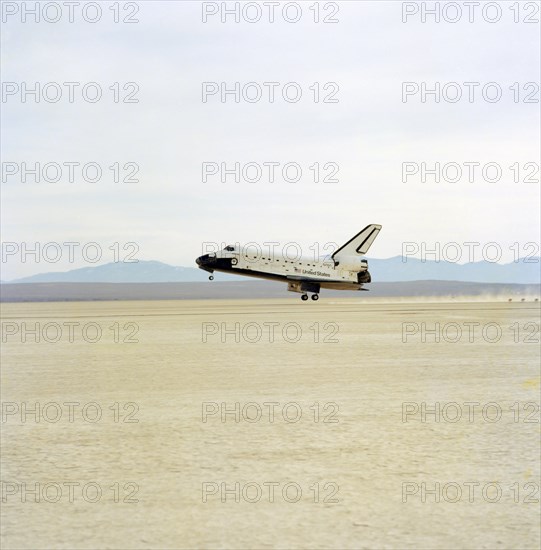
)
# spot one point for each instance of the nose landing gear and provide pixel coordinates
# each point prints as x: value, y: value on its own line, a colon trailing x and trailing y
x: 211, y: 277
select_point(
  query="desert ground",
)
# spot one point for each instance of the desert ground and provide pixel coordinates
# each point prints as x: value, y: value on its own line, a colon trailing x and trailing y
x: 340, y: 423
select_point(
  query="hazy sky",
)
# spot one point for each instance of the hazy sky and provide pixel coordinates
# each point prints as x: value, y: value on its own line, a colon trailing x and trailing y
x: 368, y: 133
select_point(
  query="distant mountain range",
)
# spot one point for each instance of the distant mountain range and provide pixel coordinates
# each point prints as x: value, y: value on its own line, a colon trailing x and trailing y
x: 119, y: 272
x: 397, y: 269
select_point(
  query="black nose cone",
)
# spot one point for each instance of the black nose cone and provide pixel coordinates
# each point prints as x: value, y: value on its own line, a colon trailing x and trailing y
x: 206, y: 262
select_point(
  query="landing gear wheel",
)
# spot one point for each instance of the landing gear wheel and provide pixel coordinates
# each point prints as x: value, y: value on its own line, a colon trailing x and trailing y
x: 304, y: 297
x: 211, y: 278
x: 315, y: 297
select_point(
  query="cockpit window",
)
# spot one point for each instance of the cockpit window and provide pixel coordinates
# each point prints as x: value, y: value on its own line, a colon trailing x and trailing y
x: 230, y: 248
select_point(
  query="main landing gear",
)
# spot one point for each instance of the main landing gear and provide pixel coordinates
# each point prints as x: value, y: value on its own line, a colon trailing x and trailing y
x: 304, y: 297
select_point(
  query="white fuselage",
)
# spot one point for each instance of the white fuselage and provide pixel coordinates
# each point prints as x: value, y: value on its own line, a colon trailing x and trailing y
x: 322, y: 270
x: 251, y: 262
